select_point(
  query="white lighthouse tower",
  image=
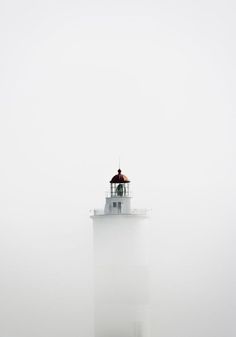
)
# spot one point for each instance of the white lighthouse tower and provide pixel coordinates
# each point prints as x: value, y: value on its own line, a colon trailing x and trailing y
x: 120, y: 265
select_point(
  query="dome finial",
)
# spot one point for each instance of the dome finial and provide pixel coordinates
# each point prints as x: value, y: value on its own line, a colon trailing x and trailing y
x: 119, y: 171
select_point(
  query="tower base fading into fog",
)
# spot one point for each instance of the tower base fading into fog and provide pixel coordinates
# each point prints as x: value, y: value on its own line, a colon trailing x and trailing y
x: 120, y: 266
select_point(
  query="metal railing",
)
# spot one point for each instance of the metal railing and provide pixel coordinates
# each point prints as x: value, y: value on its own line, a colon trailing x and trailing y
x: 108, y: 194
x: 137, y: 212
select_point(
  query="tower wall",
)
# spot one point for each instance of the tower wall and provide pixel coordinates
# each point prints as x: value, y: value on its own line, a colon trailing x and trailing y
x: 121, y: 252
x: 124, y: 202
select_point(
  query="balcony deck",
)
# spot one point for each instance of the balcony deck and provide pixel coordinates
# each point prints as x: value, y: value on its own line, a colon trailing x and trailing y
x: 133, y: 212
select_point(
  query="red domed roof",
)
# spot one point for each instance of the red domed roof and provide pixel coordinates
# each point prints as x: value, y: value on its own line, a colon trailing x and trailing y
x: 119, y: 178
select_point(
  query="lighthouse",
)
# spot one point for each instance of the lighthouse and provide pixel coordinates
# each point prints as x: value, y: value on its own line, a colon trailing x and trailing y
x: 121, y: 273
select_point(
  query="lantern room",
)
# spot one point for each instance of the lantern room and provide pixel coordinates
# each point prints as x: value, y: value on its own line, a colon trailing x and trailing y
x: 119, y: 185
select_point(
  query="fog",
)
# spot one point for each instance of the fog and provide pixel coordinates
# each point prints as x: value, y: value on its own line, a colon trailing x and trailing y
x: 82, y: 84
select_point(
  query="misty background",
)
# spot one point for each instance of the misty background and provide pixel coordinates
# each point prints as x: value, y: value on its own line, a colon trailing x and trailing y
x: 86, y: 82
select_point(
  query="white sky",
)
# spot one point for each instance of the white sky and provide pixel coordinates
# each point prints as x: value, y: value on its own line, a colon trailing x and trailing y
x: 82, y: 83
